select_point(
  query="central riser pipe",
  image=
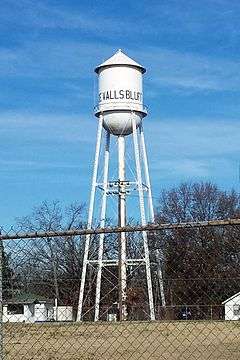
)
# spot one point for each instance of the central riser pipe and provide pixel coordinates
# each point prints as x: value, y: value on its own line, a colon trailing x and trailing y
x: 122, y: 235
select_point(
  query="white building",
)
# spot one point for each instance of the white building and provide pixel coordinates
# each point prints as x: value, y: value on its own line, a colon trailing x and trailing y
x: 64, y: 313
x: 35, y: 311
x: 232, y: 307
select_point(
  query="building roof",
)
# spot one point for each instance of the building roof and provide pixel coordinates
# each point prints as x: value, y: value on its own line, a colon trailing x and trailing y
x: 231, y: 298
x: 27, y: 298
x: 119, y: 58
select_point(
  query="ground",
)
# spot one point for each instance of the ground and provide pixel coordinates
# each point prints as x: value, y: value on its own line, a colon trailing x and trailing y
x: 202, y: 340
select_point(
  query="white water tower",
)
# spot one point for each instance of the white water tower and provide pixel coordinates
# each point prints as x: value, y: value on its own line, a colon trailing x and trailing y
x: 120, y: 112
x: 120, y: 94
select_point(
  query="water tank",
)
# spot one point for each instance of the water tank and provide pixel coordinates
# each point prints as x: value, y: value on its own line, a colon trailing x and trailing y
x: 120, y: 94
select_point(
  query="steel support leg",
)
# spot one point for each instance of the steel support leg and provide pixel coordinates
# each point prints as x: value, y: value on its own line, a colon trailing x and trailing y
x: 152, y: 217
x: 102, y: 224
x: 146, y: 171
x: 2, y: 357
x: 90, y: 218
x: 143, y: 219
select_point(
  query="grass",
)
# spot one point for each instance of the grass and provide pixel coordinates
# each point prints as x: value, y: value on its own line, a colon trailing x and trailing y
x: 201, y: 340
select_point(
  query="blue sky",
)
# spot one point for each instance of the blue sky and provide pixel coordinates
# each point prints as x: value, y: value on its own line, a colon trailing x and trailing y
x: 48, y: 50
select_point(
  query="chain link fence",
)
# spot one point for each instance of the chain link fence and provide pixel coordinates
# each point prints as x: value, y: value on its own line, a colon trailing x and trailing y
x: 195, y: 282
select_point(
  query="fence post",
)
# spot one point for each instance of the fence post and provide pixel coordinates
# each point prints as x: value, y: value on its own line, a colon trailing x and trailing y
x: 1, y: 299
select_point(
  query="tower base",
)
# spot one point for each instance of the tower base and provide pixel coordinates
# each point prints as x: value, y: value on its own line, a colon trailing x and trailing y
x: 109, y: 274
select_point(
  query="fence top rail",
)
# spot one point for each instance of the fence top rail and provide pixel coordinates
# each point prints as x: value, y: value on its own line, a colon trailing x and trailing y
x: 110, y: 230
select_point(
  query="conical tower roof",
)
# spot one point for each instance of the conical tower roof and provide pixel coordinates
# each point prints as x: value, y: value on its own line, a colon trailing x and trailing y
x: 119, y: 58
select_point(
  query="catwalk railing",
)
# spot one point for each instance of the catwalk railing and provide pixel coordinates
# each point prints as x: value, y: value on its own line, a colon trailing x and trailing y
x: 196, y: 288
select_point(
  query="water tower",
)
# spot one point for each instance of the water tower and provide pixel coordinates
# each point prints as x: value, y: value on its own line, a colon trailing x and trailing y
x: 120, y: 112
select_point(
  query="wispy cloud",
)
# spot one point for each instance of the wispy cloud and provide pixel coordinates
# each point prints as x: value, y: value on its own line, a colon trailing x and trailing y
x: 67, y: 58
x: 75, y: 60
x: 187, y: 70
x: 47, y: 127
x: 25, y: 165
x: 43, y: 15
x: 177, y: 147
x: 181, y: 168
x: 179, y: 16
x: 196, y: 148
x: 53, y: 59
x: 202, y: 23
x: 48, y: 51
x: 196, y: 136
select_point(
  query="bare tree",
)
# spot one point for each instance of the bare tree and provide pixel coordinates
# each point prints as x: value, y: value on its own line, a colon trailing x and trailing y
x: 196, y: 261
x: 59, y: 258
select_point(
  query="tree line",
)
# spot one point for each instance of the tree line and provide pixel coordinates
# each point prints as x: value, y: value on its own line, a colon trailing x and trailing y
x: 198, y: 266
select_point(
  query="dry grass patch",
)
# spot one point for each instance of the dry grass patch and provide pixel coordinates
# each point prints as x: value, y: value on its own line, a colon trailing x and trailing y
x: 111, y: 341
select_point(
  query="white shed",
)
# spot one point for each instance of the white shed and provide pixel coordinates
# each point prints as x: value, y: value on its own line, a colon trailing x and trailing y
x: 30, y: 311
x: 232, y: 307
x: 63, y: 313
